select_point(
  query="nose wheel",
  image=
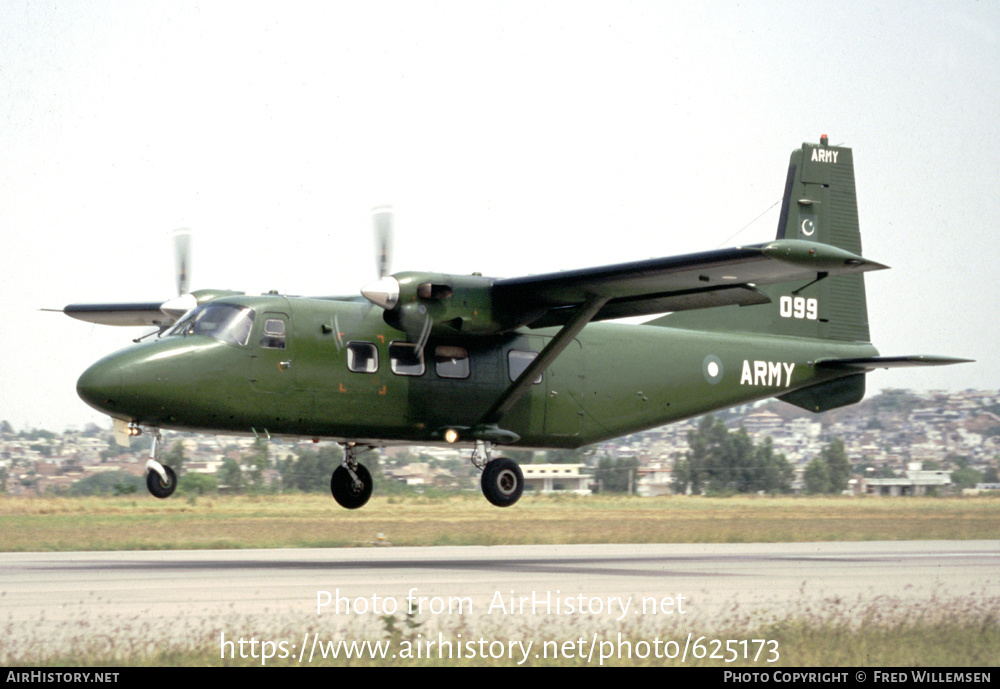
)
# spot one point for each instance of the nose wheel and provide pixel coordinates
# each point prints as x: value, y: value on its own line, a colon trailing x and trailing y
x: 160, y: 488
x: 160, y: 479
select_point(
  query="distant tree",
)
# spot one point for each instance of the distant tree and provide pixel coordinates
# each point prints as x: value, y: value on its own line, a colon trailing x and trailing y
x: 174, y: 458
x: 959, y: 461
x: 108, y: 483
x: 723, y: 461
x: 231, y: 476
x: 36, y: 434
x: 836, y: 462
x: 966, y: 477
x: 991, y: 475
x: 198, y: 484
x: 775, y: 473
x: 310, y: 471
x: 885, y: 471
x: 617, y: 475
x: 817, y: 477
x: 258, y: 460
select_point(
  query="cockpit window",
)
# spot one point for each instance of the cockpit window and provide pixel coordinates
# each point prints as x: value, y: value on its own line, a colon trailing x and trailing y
x: 224, y: 322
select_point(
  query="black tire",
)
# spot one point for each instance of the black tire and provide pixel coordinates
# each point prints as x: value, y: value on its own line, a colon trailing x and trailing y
x: 502, y: 482
x: 156, y: 485
x: 345, y: 492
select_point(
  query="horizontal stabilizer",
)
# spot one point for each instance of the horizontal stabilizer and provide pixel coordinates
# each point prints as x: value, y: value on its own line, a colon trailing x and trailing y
x: 873, y: 362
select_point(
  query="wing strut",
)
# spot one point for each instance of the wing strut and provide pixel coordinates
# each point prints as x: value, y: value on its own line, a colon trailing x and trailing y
x: 552, y: 350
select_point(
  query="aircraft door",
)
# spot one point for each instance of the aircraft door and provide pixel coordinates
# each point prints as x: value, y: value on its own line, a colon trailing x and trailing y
x: 272, y: 360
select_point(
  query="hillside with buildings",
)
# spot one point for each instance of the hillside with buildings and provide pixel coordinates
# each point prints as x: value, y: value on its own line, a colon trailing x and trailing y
x: 897, y: 442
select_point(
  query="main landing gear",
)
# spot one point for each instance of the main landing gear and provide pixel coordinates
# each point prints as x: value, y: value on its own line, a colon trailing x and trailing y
x: 502, y: 481
x: 160, y: 478
x: 351, y: 483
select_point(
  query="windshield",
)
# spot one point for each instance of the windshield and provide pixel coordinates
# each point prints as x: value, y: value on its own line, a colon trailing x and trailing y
x: 224, y: 322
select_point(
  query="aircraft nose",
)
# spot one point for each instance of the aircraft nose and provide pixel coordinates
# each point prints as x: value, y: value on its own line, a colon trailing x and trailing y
x: 100, y: 386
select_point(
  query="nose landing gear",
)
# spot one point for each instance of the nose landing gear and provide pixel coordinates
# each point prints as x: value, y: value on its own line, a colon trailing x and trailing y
x: 157, y: 486
x: 160, y: 478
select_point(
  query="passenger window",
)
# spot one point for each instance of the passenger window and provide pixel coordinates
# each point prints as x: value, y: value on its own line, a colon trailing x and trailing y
x: 274, y: 334
x: 405, y: 359
x: 519, y: 361
x: 362, y: 357
x: 451, y: 362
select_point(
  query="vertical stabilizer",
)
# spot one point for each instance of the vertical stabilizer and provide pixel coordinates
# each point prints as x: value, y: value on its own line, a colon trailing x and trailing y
x: 819, y: 205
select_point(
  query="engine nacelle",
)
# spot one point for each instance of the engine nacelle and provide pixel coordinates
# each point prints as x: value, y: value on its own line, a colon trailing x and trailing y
x: 441, y: 304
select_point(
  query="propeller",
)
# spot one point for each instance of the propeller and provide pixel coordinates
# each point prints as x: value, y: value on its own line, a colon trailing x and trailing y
x: 184, y: 301
x: 162, y: 315
x: 383, y: 292
x: 382, y: 219
x: 182, y: 259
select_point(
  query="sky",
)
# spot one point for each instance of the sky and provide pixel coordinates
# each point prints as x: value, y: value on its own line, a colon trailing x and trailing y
x: 510, y: 137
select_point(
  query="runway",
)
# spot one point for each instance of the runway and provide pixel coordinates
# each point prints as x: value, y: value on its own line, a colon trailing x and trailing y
x: 66, y: 600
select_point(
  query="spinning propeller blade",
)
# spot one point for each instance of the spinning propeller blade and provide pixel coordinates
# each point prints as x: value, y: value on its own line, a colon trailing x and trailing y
x: 382, y: 219
x: 182, y: 259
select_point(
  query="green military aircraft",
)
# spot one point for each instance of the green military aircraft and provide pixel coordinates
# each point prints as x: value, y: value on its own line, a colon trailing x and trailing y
x: 427, y: 358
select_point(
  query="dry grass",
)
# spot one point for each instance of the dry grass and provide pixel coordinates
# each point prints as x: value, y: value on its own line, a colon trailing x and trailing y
x: 138, y: 523
x: 938, y: 633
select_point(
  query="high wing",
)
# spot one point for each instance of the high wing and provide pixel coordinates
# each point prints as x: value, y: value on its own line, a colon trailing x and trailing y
x: 125, y: 314
x: 694, y: 281
x: 159, y: 314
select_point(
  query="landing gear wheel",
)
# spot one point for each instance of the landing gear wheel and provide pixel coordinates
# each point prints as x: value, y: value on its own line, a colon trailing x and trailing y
x: 502, y: 482
x: 156, y: 485
x: 346, y: 491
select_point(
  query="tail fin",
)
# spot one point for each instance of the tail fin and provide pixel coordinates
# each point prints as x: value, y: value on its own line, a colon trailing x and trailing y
x: 820, y: 205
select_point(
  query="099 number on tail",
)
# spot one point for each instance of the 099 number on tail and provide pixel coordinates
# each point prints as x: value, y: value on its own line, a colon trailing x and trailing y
x: 798, y: 307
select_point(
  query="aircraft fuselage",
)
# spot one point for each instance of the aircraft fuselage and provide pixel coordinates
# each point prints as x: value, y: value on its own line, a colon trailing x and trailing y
x: 337, y: 370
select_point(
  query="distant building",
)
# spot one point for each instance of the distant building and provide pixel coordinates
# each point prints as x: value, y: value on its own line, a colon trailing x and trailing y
x: 655, y: 480
x: 549, y: 478
x: 915, y: 481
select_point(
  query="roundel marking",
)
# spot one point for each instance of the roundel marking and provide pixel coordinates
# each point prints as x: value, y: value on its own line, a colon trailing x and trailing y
x: 808, y: 227
x: 711, y: 367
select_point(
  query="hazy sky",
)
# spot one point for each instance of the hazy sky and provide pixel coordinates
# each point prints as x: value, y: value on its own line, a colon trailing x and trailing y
x: 512, y: 138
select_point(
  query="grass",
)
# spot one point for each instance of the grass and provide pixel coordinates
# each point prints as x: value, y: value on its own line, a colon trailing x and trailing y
x: 935, y: 634
x: 142, y: 523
